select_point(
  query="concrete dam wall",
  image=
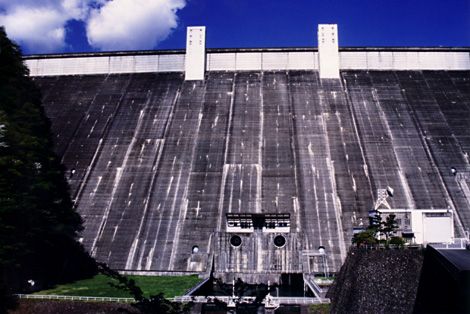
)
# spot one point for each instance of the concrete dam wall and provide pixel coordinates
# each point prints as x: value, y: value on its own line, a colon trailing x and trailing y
x: 166, y: 172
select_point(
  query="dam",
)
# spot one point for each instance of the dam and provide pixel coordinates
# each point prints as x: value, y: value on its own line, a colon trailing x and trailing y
x: 252, y: 169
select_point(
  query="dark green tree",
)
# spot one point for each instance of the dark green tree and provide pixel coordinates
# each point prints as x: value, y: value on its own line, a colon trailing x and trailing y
x: 389, y: 226
x: 38, y: 223
x: 375, y: 221
x: 366, y: 237
x: 377, y: 228
x: 372, y: 234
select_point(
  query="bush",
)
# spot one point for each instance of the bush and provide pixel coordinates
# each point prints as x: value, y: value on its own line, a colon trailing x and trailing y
x: 397, y: 241
x: 366, y: 237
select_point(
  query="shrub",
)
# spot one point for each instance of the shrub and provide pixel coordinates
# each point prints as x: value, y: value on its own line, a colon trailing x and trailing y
x: 366, y: 237
x: 397, y: 241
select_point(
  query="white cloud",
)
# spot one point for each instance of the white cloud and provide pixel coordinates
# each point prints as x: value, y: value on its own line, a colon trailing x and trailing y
x: 76, y: 9
x: 132, y: 24
x: 39, y: 25
x: 39, y: 29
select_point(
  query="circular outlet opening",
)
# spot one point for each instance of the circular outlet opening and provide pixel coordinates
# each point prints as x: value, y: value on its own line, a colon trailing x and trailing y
x: 279, y: 241
x: 236, y: 241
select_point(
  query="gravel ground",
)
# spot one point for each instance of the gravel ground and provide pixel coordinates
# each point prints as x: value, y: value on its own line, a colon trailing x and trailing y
x: 377, y: 281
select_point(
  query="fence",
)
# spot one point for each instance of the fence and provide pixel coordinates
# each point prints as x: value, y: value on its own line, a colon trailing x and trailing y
x: 459, y: 243
x: 197, y: 299
x: 73, y: 298
x: 227, y: 299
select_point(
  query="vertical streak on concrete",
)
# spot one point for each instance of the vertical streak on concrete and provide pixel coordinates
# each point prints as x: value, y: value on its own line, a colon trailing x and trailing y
x: 117, y: 180
x: 356, y: 132
x: 155, y: 166
x: 185, y: 184
x: 223, y: 183
x: 317, y: 212
x: 338, y: 215
x: 230, y: 118
x: 294, y: 147
x: 184, y: 204
x: 259, y: 167
x: 259, y: 253
x: 78, y: 194
x: 226, y: 167
x: 97, y: 153
x: 105, y: 215
x: 334, y: 197
x: 334, y: 202
x: 172, y: 217
x: 86, y: 114
x: 259, y: 185
x: 121, y: 169
x: 79, y: 126
x: 179, y: 224
x: 404, y: 183
x: 135, y: 243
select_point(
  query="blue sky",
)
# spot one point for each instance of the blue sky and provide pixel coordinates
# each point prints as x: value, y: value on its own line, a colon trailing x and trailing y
x: 50, y: 26
x: 361, y: 22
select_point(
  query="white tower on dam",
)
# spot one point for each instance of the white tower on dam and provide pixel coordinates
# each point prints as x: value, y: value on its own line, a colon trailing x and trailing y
x: 328, y: 54
x: 195, y: 62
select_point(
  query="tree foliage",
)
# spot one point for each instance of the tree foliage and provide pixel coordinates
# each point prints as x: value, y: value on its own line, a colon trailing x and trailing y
x: 367, y: 237
x: 378, y: 228
x: 38, y: 224
x: 389, y: 226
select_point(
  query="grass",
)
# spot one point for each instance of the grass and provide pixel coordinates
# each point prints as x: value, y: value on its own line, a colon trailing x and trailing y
x: 323, y: 308
x: 98, y: 286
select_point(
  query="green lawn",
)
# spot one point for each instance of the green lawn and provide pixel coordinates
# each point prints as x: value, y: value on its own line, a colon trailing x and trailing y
x: 98, y: 286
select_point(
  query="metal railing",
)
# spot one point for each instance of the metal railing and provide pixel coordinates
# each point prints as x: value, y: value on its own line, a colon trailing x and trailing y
x: 459, y: 243
x: 73, y: 298
x: 227, y: 299
x: 299, y: 300
x: 183, y: 299
x: 382, y: 246
x: 319, y: 292
x: 197, y: 286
